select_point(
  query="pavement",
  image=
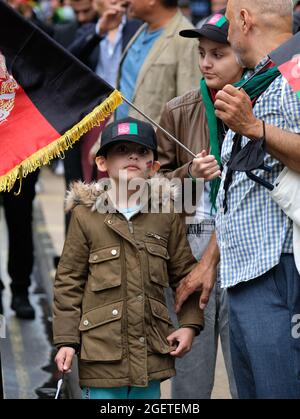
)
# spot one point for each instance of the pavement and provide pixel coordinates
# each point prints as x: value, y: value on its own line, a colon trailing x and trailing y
x: 49, y: 239
x: 26, y: 350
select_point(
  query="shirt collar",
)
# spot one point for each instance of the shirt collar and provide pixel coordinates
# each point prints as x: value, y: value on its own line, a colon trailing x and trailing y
x: 260, y: 65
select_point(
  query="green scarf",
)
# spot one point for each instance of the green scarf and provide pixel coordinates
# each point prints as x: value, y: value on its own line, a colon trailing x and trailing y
x: 254, y: 88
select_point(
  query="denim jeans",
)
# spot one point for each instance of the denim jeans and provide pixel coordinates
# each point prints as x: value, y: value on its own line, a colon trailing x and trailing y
x: 264, y: 346
x: 195, y: 372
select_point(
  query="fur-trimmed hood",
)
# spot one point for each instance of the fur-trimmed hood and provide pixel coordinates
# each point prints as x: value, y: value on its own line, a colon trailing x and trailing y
x: 96, y: 194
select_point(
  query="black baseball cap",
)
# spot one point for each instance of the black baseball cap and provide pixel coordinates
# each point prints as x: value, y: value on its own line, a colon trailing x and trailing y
x: 215, y: 28
x: 129, y: 130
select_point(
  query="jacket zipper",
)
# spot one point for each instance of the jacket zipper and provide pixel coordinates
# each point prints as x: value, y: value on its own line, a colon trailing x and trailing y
x: 156, y: 236
x: 130, y: 226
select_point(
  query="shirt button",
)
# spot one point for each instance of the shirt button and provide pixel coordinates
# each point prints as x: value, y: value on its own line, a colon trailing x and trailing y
x: 109, y: 222
x: 140, y: 298
x: 95, y: 257
x: 115, y: 312
x: 114, y: 252
x: 142, y: 340
x: 86, y: 323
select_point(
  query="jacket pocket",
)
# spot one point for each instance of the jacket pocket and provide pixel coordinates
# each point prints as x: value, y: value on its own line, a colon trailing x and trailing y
x: 161, y: 327
x: 101, y: 333
x: 105, y: 268
x: 158, y: 269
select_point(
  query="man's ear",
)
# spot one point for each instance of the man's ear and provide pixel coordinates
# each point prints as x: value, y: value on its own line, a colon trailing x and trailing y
x: 155, y: 167
x: 101, y: 163
x: 246, y: 21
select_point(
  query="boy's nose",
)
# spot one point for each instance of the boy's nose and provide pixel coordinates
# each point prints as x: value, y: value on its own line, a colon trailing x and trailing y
x: 133, y: 156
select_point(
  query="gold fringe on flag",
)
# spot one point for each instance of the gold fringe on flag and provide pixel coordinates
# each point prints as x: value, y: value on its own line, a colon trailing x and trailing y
x: 58, y: 147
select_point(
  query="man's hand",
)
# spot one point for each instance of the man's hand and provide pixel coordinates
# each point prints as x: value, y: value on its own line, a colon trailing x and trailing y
x: 205, y: 167
x: 184, y: 338
x: 234, y: 108
x: 64, y: 358
x: 110, y: 19
x: 202, y: 278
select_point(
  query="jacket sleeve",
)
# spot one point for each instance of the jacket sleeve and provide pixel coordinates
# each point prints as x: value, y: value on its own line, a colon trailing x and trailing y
x: 180, y: 264
x: 170, y: 166
x: 85, y: 41
x: 69, y: 284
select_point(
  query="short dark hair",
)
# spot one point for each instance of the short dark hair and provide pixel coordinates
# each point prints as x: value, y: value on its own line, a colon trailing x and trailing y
x: 170, y: 3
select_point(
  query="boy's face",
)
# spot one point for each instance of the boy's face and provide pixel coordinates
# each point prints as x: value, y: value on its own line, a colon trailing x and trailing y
x: 135, y: 159
x: 218, y: 64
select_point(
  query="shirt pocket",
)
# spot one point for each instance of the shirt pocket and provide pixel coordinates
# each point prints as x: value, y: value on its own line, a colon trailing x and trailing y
x: 158, y: 257
x: 105, y: 269
x: 101, y: 333
x: 160, y: 328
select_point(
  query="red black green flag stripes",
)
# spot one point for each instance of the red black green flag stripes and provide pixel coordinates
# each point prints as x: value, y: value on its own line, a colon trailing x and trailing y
x: 291, y: 71
x: 48, y: 99
x: 287, y: 59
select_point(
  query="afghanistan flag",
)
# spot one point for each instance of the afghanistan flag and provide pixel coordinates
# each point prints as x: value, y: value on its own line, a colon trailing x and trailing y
x: 48, y: 98
x: 287, y: 59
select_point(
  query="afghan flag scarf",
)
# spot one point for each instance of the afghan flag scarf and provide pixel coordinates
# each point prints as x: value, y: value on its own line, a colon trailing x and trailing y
x: 254, y: 88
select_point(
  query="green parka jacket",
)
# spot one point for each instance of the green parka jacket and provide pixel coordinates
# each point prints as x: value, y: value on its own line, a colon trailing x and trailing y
x: 109, y: 290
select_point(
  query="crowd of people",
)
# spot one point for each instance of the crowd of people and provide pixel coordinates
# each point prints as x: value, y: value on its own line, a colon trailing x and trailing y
x: 224, y: 271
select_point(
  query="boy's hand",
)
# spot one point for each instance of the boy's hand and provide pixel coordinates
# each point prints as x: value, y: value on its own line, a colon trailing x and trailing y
x: 64, y: 358
x: 183, y: 337
x: 205, y: 167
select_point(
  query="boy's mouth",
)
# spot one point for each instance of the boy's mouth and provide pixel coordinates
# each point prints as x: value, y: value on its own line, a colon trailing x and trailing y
x: 132, y: 167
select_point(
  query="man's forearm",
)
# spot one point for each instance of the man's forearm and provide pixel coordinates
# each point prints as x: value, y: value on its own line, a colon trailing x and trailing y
x: 202, y: 278
x: 211, y: 256
x: 283, y: 145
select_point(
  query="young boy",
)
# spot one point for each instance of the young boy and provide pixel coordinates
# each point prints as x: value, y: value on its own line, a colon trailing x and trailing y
x: 117, y: 260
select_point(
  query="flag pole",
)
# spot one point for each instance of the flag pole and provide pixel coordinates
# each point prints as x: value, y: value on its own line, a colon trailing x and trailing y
x: 159, y: 127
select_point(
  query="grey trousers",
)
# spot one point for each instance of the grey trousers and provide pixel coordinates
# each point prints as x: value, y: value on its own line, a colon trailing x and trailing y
x: 195, y: 372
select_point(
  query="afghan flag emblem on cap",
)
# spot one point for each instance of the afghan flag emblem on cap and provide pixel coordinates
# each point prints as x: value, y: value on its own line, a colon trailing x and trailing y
x: 127, y: 128
x: 217, y: 20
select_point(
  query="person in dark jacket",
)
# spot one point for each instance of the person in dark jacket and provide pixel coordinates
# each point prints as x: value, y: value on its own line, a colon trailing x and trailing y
x: 99, y: 46
x: 112, y: 29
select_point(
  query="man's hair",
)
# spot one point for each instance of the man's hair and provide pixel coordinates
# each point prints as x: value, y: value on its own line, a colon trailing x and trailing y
x: 169, y: 3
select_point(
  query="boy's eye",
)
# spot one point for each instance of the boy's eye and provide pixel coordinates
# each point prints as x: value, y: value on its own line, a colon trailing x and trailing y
x: 142, y: 150
x: 122, y: 149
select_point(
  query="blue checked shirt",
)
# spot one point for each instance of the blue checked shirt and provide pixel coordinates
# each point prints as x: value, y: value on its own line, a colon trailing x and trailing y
x: 254, y: 232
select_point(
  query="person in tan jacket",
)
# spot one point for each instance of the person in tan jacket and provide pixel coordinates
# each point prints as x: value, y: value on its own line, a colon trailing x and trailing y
x: 120, y: 254
x: 157, y: 64
x: 186, y: 117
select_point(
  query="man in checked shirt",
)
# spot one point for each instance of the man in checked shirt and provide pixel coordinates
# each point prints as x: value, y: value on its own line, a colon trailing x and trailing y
x: 254, y: 236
